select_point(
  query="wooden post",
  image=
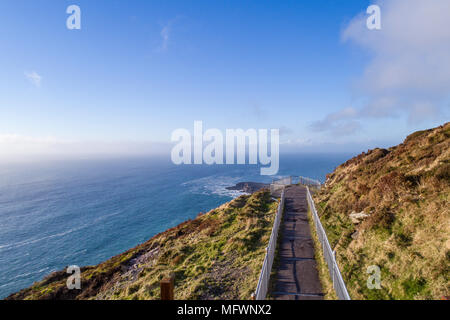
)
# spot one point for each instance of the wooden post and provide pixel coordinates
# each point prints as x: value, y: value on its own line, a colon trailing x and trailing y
x: 167, y: 287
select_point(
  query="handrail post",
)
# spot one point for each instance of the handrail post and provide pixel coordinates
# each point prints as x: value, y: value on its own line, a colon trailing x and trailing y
x: 167, y: 287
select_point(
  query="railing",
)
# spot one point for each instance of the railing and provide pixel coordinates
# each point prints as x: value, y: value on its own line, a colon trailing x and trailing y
x: 264, y: 277
x: 276, y: 184
x: 284, y: 181
x: 329, y: 255
x: 307, y: 181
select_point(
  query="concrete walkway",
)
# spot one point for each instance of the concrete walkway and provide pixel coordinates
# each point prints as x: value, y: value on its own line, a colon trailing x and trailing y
x: 297, y: 277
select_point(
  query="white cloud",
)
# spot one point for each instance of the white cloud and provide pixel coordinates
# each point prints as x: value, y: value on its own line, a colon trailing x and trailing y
x: 339, y: 123
x: 15, y: 139
x: 285, y: 131
x: 411, y: 52
x: 34, y: 78
x: 258, y: 111
x: 165, y: 35
x: 14, y: 146
x: 409, y: 69
x: 298, y: 142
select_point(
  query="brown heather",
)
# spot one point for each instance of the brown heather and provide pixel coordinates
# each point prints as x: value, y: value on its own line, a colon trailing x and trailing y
x: 405, y: 192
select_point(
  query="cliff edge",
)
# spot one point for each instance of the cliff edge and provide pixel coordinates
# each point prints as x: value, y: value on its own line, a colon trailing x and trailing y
x: 218, y: 255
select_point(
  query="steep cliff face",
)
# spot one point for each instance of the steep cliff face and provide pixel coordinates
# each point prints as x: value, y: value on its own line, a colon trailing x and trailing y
x: 218, y: 255
x: 390, y: 208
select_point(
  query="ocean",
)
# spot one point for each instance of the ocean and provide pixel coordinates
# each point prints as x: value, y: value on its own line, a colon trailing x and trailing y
x: 81, y: 212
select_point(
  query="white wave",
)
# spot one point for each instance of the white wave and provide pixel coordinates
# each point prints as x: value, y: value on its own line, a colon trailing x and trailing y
x: 24, y: 275
x: 214, y: 185
x: 61, y: 234
x: 75, y: 254
x: 26, y: 242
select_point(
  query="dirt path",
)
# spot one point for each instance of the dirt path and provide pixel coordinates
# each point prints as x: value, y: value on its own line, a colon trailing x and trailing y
x: 297, y: 277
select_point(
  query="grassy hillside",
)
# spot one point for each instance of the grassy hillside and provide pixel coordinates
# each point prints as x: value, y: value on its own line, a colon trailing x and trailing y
x: 390, y: 208
x: 218, y: 255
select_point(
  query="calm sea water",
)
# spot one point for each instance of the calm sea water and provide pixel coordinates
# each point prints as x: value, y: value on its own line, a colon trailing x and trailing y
x: 56, y: 214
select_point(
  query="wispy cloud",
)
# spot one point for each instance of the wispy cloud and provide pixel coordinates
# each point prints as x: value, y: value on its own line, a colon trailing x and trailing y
x: 409, y: 72
x: 297, y: 142
x: 340, y: 123
x: 286, y: 131
x: 258, y: 111
x: 34, y: 78
x: 165, y: 36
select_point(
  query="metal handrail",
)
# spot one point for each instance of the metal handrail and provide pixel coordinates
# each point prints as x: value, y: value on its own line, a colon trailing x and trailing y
x: 328, y: 253
x: 308, y: 181
x: 264, y: 277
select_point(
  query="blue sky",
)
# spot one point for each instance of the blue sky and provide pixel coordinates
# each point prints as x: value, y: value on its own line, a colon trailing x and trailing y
x: 137, y: 70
